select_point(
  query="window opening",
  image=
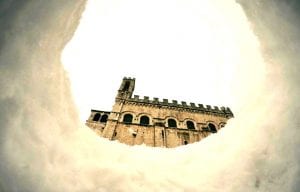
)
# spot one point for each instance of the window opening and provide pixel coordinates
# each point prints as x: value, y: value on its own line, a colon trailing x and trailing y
x: 212, y: 127
x: 172, y: 123
x: 127, y: 118
x: 126, y: 86
x: 144, y: 120
x: 190, y: 125
x: 96, y: 117
x: 104, y: 118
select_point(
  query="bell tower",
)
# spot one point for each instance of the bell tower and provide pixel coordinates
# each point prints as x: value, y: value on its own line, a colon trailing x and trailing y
x: 126, y: 89
x: 125, y: 92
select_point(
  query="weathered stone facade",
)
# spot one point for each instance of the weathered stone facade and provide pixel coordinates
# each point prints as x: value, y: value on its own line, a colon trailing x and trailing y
x: 155, y: 123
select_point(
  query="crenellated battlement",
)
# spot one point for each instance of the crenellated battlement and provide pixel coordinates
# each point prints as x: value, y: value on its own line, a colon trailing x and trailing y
x: 128, y: 78
x: 182, y: 104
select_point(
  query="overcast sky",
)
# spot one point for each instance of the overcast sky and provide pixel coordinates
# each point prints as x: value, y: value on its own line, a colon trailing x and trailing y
x: 191, y: 51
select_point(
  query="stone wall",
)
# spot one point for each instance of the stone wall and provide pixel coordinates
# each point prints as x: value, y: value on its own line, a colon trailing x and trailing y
x: 157, y: 133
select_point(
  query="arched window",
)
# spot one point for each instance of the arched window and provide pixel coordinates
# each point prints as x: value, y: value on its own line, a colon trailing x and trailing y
x: 190, y: 125
x: 96, y: 117
x: 104, y: 118
x: 127, y: 118
x: 172, y: 123
x: 212, y: 127
x: 144, y: 120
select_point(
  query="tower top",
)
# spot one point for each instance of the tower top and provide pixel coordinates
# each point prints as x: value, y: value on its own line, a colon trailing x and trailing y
x: 128, y: 78
x: 126, y: 88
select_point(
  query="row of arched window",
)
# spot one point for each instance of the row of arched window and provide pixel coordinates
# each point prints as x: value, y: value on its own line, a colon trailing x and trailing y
x: 102, y: 118
x: 145, y: 120
x: 173, y: 123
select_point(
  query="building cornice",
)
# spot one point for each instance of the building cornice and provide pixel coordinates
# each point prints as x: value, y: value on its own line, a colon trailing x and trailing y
x: 182, y: 106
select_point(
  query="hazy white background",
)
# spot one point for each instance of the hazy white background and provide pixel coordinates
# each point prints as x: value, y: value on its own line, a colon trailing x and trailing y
x: 194, y: 51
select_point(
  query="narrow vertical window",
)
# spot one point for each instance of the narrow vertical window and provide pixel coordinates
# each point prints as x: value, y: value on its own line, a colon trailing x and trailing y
x: 96, y: 117
x: 126, y: 86
x: 104, y: 118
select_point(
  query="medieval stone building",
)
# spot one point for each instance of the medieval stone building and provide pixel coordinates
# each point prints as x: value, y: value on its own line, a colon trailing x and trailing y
x: 136, y: 121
